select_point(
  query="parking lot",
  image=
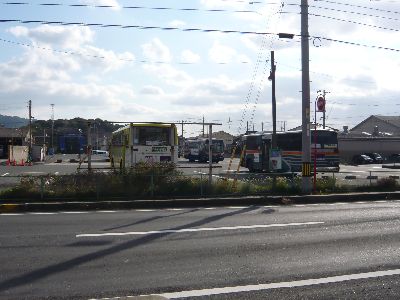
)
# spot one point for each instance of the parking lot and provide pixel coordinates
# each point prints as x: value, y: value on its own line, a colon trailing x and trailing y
x: 349, y: 174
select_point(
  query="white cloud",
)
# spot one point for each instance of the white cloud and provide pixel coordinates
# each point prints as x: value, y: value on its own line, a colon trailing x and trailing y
x: 114, y: 3
x: 221, y: 54
x: 155, y: 50
x: 188, y: 56
x: 177, y: 23
x: 71, y: 37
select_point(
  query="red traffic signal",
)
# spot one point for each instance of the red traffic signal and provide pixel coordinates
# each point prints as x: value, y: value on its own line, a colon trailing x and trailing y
x: 321, y: 103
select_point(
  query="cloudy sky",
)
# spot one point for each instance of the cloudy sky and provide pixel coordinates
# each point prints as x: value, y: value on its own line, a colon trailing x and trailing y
x: 132, y: 74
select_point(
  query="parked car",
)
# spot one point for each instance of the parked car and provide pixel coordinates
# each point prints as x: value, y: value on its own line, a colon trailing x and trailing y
x: 394, y: 158
x: 376, y: 157
x: 362, y: 159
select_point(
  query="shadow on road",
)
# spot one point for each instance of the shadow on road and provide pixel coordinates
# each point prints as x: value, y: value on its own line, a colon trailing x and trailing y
x: 150, y: 219
x: 44, y: 272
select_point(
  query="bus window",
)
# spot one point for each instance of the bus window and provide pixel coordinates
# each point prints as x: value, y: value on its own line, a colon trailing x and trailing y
x: 153, y: 136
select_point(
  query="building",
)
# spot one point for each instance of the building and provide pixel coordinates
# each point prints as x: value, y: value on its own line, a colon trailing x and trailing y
x: 379, y: 134
x: 10, y: 137
x: 377, y: 125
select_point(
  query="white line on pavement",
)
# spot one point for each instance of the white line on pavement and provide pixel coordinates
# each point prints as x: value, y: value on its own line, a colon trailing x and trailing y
x: 42, y: 213
x: 174, y: 209
x: 194, y: 229
x: 145, y: 210
x: 74, y: 212
x: 5, y: 174
x: 381, y: 201
x: 278, y: 285
x: 10, y: 214
x: 106, y: 211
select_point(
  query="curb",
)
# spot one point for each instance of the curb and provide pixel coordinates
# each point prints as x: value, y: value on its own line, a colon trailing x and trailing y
x: 11, y: 207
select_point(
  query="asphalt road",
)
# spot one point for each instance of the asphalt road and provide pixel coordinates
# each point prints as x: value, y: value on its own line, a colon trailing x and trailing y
x: 325, y: 251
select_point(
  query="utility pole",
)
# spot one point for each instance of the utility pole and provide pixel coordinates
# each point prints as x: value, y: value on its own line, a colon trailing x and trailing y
x: 30, y: 129
x: 262, y: 126
x: 272, y: 78
x: 305, y: 97
x: 182, y: 129
x: 203, y: 125
x: 210, y: 154
x: 89, y: 146
x: 247, y: 127
x: 52, y: 127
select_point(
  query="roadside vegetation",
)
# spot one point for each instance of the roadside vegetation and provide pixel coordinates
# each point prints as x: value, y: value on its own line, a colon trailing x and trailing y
x: 162, y: 181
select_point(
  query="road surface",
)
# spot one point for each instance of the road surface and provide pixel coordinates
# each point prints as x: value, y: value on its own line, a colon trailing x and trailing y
x: 323, y: 251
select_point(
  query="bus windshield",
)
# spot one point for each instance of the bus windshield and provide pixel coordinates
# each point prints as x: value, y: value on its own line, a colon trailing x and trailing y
x: 218, y: 145
x: 153, y: 136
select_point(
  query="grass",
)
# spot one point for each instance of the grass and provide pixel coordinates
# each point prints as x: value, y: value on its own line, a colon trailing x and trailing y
x: 155, y: 181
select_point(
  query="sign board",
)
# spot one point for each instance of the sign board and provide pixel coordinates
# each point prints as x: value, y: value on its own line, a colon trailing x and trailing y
x: 275, y: 158
x: 321, y: 104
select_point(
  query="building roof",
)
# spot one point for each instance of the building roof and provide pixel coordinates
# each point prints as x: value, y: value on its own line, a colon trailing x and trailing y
x: 392, y: 120
x: 12, y: 132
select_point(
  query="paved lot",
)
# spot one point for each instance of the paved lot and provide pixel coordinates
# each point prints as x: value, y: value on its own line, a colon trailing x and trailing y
x: 325, y: 251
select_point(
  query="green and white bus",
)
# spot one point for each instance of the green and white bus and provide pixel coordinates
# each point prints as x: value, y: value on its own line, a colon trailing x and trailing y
x: 144, y: 142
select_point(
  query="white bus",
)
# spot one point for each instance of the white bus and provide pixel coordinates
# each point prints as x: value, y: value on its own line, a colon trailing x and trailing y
x: 144, y: 142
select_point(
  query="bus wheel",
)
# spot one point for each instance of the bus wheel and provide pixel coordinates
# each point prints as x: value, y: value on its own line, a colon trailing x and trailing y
x: 249, y: 165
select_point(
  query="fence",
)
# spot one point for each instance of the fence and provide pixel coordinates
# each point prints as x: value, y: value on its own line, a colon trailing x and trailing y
x: 151, y: 185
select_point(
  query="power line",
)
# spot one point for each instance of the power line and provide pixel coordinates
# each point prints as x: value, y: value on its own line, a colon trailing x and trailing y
x: 354, y: 12
x: 354, y: 22
x: 142, y: 27
x: 126, y: 7
x: 359, y: 6
x: 203, y: 30
x: 104, y: 57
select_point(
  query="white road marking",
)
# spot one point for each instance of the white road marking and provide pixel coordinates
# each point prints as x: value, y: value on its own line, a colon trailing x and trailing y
x: 277, y: 285
x: 209, y: 208
x: 5, y: 174
x: 42, y: 213
x: 360, y: 202
x: 381, y: 201
x: 174, y: 209
x: 236, y: 207
x: 145, y: 210
x: 106, y: 211
x: 74, y: 212
x: 195, y: 229
x: 299, y: 205
x: 271, y: 206
x: 11, y: 214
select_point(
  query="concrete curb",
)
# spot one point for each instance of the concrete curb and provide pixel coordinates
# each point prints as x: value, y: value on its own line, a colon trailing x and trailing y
x: 12, y: 207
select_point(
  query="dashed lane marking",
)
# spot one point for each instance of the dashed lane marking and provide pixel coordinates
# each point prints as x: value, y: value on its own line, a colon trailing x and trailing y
x: 5, y: 174
x: 195, y: 229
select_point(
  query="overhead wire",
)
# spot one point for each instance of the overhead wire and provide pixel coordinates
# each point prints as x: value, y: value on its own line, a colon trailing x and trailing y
x: 105, y: 57
x: 359, y: 6
x: 126, y: 7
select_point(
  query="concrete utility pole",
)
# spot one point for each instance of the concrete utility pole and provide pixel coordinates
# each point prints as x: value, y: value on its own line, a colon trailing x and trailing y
x: 52, y: 127
x: 203, y: 125
x: 272, y: 77
x: 262, y: 126
x: 30, y: 129
x: 89, y: 146
x: 182, y: 129
x: 210, y: 154
x: 305, y: 63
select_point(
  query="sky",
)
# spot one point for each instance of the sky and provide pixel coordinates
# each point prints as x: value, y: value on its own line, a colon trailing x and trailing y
x: 127, y: 73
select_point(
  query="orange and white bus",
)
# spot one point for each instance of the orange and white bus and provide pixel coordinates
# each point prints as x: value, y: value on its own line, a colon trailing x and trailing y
x: 258, y: 145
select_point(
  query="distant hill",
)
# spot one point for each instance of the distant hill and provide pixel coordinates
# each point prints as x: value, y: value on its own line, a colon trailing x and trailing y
x: 12, y: 121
